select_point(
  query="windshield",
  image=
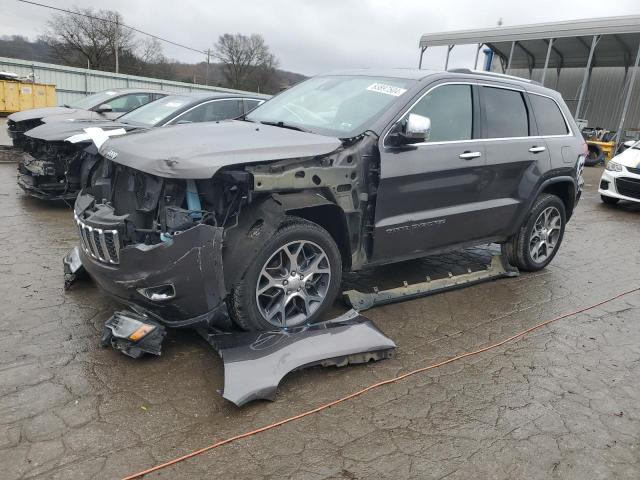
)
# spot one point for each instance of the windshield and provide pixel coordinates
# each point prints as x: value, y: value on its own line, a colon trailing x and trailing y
x: 156, y: 113
x: 340, y: 106
x: 94, y: 100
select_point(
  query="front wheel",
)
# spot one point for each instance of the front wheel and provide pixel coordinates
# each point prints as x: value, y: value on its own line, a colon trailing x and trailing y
x: 292, y: 281
x: 539, y: 238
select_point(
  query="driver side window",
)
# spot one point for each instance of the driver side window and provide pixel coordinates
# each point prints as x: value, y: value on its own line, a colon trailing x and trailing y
x: 450, y: 108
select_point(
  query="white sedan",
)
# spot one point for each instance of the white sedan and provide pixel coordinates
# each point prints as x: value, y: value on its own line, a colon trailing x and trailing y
x: 621, y: 178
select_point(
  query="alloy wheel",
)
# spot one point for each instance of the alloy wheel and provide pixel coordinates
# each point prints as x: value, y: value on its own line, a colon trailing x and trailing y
x: 545, y: 234
x: 293, y: 283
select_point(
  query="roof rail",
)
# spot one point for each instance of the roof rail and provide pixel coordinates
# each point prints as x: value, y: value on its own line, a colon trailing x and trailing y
x: 492, y: 74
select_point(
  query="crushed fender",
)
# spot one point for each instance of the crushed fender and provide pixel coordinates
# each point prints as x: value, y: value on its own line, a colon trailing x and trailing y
x: 256, y: 362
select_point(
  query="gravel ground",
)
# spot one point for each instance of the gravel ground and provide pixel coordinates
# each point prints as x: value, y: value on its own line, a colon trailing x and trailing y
x: 560, y: 403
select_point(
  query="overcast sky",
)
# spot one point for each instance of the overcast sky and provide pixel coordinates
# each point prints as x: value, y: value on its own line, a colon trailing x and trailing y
x: 315, y: 36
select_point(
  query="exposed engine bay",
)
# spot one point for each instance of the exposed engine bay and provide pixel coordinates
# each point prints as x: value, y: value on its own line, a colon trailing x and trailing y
x: 149, y: 209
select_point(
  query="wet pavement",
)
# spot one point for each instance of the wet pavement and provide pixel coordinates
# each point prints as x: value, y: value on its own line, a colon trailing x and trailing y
x: 562, y: 402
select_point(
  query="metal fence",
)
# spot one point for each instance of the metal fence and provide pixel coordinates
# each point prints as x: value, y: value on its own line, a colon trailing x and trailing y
x: 74, y: 83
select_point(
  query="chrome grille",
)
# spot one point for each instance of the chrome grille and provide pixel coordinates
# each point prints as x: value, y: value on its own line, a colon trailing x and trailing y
x: 103, y: 245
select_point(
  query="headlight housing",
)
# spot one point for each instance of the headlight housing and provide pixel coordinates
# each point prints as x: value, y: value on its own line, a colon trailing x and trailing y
x: 614, y: 166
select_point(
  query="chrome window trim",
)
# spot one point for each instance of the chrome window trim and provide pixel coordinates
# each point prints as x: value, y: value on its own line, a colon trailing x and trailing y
x: 480, y: 84
x: 170, y: 122
x: 408, y: 110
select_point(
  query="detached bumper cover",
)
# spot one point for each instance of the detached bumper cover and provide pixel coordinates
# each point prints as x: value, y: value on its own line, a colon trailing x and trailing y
x: 256, y: 362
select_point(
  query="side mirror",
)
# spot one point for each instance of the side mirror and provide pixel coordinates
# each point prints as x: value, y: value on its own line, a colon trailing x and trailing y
x: 412, y: 129
x: 417, y: 128
x: 629, y: 143
x: 104, y: 108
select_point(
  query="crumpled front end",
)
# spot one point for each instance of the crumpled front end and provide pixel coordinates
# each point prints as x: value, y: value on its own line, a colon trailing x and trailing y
x: 52, y: 170
x: 141, y: 246
x: 179, y: 280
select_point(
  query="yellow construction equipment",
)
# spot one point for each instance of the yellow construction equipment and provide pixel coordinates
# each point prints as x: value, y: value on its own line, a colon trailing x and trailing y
x: 601, y: 143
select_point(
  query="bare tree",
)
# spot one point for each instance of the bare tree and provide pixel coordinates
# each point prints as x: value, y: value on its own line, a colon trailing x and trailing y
x: 88, y: 36
x: 245, y: 60
x: 150, y: 51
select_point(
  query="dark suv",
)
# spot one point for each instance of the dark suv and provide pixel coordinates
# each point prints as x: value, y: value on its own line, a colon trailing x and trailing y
x: 256, y: 219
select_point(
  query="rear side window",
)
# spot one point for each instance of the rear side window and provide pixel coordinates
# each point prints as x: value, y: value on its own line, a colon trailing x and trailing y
x: 548, y: 116
x: 505, y: 113
x: 450, y: 109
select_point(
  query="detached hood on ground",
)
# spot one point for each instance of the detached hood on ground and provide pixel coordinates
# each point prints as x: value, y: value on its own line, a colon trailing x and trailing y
x: 629, y: 158
x: 36, y: 113
x: 198, y: 150
x: 60, y: 131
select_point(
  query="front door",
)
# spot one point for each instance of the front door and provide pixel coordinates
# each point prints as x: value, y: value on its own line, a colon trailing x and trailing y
x: 432, y: 194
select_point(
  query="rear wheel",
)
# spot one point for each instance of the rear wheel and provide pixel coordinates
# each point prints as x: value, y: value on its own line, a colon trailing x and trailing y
x: 539, y: 238
x: 292, y: 281
x: 609, y: 200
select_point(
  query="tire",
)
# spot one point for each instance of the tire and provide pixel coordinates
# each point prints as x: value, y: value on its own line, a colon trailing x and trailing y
x: 531, y: 237
x: 592, y: 158
x: 609, y: 200
x: 272, y: 266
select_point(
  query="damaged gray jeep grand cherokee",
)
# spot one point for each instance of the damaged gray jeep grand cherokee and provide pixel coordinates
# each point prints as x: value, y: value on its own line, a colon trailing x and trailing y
x: 256, y: 219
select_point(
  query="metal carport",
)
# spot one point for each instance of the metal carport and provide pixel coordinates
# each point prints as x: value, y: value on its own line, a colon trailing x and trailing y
x: 587, y: 43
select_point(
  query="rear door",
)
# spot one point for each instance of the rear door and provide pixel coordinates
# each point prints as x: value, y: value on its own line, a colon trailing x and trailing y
x: 431, y: 194
x: 515, y: 155
x: 554, y: 128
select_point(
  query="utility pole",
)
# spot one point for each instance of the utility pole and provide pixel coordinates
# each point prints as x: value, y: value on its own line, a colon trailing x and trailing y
x: 116, y: 42
x: 206, y: 75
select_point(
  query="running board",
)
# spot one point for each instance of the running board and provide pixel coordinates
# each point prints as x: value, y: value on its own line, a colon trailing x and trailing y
x: 498, y: 268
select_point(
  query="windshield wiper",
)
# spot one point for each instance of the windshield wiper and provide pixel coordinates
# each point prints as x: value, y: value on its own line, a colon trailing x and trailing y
x: 285, y: 125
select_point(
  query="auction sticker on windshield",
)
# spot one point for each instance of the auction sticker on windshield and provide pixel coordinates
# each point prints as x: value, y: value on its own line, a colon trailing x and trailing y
x: 386, y: 89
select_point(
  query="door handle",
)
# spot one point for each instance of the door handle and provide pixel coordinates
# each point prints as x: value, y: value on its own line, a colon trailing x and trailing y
x: 469, y: 155
x: 537, y: 149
